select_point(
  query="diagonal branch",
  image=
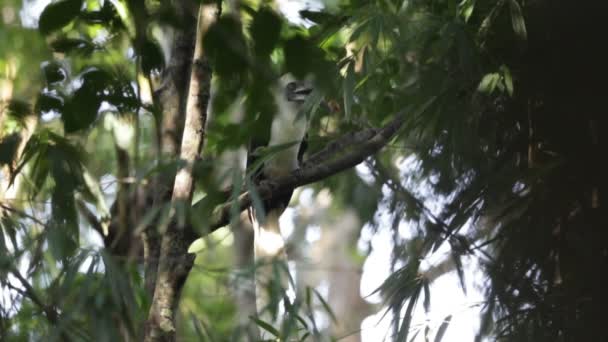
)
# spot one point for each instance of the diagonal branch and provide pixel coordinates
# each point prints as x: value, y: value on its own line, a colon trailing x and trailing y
x: 345, y: 153
x: 29, y: 292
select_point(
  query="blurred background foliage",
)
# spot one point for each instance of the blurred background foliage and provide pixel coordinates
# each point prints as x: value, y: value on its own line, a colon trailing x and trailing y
x: 499, y: 162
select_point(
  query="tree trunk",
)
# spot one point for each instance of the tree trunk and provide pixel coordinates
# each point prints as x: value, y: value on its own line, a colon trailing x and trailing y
x: 174, y: 262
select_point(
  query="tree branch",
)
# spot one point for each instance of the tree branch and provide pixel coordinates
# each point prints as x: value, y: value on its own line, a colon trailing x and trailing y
x: 345, y: 153
x: 29, y: 292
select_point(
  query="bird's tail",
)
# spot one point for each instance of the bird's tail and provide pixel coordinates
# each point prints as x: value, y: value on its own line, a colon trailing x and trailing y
x: 271, y: 266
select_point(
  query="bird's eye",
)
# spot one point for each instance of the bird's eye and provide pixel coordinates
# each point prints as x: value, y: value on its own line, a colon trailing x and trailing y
x: 291, y: 86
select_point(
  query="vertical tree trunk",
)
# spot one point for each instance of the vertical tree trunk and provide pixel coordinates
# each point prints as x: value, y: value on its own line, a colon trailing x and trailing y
x: 171, y: 97
x: 174, y: 261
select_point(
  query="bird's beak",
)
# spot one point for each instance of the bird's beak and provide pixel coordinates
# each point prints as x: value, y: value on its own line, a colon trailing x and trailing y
x: 303, y: 91
x: 298, y: 91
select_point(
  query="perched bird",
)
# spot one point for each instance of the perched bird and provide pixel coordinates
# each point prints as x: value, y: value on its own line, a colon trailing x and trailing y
x: 285, y: 146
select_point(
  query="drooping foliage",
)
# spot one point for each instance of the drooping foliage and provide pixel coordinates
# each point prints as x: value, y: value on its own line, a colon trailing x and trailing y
x: 503, y: 121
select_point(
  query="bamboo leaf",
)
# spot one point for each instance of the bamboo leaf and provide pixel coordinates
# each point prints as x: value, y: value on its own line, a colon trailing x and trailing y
x: 404, y: 329
x: 326, y: 306
x: 517, y: 20
x: 427, y: 296
x: 488, y: 83
x: 348, y: 90
x: 442, y: 328
x: 266, y: 326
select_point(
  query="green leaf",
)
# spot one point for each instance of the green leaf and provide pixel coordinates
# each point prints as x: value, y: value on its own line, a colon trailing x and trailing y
x: 8, y: 148
x: 264, y: 154
x: 121, y: 94
x: 442, y: 328
x: 63, y: 232
x: 488, y: 83
x: 17, y: 109
x: 265, y: 31
x: 226, y: 47
x: 326, y: 306
x: 58, y: 15
x: 81, y: 109
x: 465, y: 9
x: 349, y: 89
x: 517, y: 20
x: 266, y: 326
x: 35, y: 150
x: 200, y: 328
x: 318, y: 17
x: 92, y: 192
x: 107, y: 16
x: 300, y: 56
x: 197, y: 246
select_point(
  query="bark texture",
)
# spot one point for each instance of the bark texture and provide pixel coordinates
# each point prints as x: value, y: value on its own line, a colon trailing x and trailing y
x: 174, y: 260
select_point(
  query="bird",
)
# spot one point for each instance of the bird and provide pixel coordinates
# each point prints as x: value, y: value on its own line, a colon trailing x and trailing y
x: 285, y: 147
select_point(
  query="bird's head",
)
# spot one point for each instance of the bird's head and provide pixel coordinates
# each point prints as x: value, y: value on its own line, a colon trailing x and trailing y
x: 296, y: 90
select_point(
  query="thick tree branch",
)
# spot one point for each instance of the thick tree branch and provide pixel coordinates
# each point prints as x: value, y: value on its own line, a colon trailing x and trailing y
x: 345, y: 153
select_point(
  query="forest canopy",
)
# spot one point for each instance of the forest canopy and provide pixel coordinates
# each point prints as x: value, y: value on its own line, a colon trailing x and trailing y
x: 469, y: 132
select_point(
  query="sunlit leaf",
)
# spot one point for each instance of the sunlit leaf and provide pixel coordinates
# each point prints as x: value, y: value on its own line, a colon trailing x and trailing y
x: 197, y: 246
x: 517, y: 20
x: 107, y: 16
x: 488, y: 83
x: 465, y: 9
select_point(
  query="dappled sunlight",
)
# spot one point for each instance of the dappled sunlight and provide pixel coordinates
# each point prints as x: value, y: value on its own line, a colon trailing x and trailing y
x: 303, y: 170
